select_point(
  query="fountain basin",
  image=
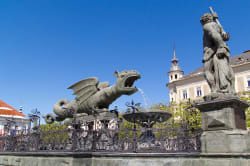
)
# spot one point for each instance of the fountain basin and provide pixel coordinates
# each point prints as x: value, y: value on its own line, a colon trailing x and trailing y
x: 147, y: 118
x: 144, y: 115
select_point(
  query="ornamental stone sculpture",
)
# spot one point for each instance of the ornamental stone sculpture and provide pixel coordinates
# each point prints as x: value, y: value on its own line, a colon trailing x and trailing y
x: 94, y: 97
x: 217, y: 70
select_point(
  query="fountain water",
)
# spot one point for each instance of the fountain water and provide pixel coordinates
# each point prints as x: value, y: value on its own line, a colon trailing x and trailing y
x: 144, y: 97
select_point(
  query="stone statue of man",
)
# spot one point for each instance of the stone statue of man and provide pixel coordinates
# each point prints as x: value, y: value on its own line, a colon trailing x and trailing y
x: 217, y: 70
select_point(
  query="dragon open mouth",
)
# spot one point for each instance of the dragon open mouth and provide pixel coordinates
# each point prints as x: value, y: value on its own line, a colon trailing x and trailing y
x: 130, y: 81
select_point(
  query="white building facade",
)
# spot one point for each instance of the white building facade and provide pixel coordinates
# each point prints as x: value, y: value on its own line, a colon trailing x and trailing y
x: 11, y: 120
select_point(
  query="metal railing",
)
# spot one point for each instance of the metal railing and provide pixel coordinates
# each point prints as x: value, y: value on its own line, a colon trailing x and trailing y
x: 106, y: 136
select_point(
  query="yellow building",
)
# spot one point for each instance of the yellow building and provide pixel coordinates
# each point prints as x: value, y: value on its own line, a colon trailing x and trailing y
x: 194, y: 86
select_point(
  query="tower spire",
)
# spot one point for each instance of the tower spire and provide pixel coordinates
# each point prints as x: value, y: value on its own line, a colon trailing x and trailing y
x: 175, y: 70
x: 174, y: 51
x: 174, y: 61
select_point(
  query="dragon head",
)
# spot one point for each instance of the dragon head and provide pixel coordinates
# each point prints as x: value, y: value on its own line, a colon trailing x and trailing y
x: 125, y: 81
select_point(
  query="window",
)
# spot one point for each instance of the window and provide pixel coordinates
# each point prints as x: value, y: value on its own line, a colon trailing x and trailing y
x: 248, y: 81
x: 184, y: 94
x: 198, y: 92
x: 176, y: 76
x: 171, y: 77
x: 171, y: 97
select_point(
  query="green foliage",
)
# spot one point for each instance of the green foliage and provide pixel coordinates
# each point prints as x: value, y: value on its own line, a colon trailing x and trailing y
x: 182, y: 112
x: 246, y: 96
x: 53, y: 133
x: 126, y: 130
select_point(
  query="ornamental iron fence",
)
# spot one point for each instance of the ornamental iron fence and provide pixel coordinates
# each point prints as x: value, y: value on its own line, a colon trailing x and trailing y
x: 106, y: 136
x: 109, y: 135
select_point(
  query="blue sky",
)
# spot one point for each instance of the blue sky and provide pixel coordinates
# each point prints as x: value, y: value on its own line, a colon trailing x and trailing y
x: 47, y: 45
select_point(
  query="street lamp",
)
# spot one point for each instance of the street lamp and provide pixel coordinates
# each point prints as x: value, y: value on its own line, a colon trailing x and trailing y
x: 35, y: 118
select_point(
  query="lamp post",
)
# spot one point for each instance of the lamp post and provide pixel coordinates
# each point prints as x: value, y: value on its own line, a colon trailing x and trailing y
x: 35, y: 118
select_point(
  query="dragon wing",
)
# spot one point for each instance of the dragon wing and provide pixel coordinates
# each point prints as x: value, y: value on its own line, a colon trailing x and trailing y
x: 103, y: 85
x: 85, y: 88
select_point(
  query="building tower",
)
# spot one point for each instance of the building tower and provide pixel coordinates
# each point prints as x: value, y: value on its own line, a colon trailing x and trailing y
x: 175, y: 70
x: 175, y: 74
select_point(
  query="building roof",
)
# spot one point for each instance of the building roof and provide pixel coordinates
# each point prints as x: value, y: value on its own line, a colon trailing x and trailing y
x: 234, y: 61
x: 8, y: 111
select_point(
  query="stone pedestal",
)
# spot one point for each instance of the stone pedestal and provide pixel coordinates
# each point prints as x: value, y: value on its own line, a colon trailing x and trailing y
x: 101, y: 116
x: 224, y: 124
x: 225, y: 141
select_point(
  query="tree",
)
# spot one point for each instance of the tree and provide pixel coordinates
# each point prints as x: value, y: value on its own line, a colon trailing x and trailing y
x: 246, y: 96
x: 53, y: 134
x: 182, y: 112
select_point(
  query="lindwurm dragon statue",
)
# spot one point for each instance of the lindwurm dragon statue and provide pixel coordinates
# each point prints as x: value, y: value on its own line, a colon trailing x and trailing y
x: 92, y: 96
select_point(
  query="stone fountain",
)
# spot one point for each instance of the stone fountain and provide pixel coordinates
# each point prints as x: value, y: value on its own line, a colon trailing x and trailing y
x: 145, y: 118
